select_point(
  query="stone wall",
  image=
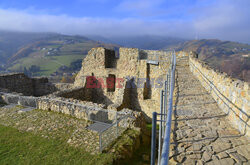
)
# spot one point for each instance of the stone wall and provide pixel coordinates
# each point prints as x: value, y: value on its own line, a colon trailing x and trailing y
x: 63, y: 86
x: 80, y: 109
x: 20, y: 83
x: 131, y: 70
x: 232, y: 95
x: 18, y: 99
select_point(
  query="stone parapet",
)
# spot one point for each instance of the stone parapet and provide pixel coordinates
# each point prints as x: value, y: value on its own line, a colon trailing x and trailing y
x: 232, y: 95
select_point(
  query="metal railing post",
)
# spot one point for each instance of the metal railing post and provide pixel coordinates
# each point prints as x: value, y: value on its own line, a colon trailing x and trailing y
x: 169, y: 78
x: 100, y: 142
x: 166, y: 142
x: 165, y: 103
x: 117, y: 132
x: 160, y: 128
x: 153, y: 139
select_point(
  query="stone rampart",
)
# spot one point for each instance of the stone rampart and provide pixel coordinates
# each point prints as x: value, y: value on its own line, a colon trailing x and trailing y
x: 20, y: 83
x: 232, y: 95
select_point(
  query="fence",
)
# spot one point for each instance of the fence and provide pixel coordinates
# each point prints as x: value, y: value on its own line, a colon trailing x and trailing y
x: 165, y: 118
x: 112, y: 132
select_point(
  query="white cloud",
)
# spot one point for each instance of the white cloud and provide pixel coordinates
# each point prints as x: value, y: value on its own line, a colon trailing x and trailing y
x: 22, y: 21
x: 227, y: 20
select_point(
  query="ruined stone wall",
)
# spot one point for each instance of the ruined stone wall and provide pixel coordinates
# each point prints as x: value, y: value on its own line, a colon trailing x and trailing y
x: 20, y: 83
x: 63, y: 86
x: 232, y: 95
x: 18, y: 99
x: 42, y: 86
x: 131, y: 71
x: 17, y: 83
x: 80, y: 109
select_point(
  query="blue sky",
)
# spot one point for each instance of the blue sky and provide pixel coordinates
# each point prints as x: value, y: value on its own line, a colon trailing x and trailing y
x: 143, y: 9
x: 222, y: 19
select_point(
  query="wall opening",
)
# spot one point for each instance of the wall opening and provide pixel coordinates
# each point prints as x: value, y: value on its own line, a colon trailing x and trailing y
x: 143, y: 55
x: 110, y: 81
x: 147, y: 86
x: 110, y: 59
x: 117, y: 52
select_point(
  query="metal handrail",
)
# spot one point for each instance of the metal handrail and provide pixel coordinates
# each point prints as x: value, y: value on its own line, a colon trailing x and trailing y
x: 166, y: 141
x: 165, y: 118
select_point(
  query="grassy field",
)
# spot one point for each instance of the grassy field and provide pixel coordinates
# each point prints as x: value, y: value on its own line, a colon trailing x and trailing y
x: 51, y: 54
x: 44, y: 137
x: 47, y: 64
x: 51, y: 63
x: 26, y: 148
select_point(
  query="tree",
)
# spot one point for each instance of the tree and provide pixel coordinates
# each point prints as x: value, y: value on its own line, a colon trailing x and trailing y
x: 76, y: 65
x: 26, y: 72
x: 34, y: 69
x: 64, y: 80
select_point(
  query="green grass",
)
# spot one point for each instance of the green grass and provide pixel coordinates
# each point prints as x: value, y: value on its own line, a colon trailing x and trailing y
x: 137, y: 158
x: 149, y: 126
x: 2, y: 103
x: 25, y: 148
x: 54, y: 46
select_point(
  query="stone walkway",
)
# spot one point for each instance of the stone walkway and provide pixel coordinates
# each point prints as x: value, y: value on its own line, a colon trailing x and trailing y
x: 201, y: 132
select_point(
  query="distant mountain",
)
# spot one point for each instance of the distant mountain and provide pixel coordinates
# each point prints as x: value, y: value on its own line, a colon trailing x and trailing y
x: 143, y: 42
x: 230, y: 57
x: 47, y: 51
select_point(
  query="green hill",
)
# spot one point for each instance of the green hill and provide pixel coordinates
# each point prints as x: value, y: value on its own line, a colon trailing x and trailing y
x: 47, y: 51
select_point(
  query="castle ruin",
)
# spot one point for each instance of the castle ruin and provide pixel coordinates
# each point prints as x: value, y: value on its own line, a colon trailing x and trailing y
x: 208, y: 105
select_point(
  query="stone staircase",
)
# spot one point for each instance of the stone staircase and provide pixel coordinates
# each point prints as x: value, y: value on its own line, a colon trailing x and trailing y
x: 201, y: 131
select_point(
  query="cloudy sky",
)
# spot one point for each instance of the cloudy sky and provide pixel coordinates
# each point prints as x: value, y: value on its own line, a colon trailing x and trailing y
x: 221, y: 19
